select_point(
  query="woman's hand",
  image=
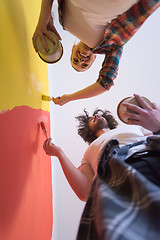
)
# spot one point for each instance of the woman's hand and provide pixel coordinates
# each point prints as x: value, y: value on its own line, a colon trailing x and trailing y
x: 62, y: 100
x: 43, y: 28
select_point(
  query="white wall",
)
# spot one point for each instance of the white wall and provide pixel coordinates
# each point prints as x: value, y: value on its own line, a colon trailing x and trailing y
x: 138, y: 73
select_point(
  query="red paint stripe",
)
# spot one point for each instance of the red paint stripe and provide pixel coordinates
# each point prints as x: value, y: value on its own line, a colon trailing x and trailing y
x: 25, y: 176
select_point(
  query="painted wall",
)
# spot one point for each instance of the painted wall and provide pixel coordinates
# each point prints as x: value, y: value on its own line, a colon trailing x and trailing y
x: 138, y: 73
x: 25, y: 170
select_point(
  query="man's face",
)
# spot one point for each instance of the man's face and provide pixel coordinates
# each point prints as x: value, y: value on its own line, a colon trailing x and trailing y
x: 97, y: 123
x: 82, y: 57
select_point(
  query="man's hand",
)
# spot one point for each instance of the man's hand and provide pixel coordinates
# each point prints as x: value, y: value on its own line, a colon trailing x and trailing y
x: 147, y: 116
x: 50, y: 148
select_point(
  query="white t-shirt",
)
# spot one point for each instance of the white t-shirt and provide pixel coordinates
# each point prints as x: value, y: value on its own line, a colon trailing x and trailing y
x: 87, y: 20
x: 126, y: 134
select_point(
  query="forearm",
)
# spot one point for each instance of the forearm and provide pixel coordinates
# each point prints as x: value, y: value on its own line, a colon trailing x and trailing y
x: 45, y: 10
x: 88, y: 92
x: 79, y: 183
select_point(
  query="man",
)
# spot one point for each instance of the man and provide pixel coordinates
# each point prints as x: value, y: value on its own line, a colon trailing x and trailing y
x: 83, y: 176
x: 124, y: 203
x: 119, y: 175
x: 100, y: 129
x: 103, y: 28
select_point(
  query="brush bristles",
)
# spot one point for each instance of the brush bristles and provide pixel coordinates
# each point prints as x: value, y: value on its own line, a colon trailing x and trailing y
x: 46, y: 98
x: 42, y: 125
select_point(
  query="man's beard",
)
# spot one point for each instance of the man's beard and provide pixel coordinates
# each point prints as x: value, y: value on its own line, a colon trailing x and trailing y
x: 101, y: 123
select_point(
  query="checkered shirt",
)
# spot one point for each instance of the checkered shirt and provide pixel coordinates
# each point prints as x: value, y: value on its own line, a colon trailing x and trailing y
x: 122, y: 205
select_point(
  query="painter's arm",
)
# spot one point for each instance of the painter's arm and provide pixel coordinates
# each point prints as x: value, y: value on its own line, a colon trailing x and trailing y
x: 79, y: 181
x: 45, y: 24
x: 107, y: 75
x: 88, y: 92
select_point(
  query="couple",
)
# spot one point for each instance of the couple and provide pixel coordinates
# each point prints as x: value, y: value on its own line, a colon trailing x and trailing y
x: 119, y: 174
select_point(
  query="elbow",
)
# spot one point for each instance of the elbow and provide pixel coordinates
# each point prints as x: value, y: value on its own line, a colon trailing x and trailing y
x: 82, y: 190
x: 83, y: 198
x: 83, y: 195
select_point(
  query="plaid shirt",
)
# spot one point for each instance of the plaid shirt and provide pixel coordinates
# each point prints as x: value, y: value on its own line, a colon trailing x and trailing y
x: 122, y: 204
x: 117, y: 34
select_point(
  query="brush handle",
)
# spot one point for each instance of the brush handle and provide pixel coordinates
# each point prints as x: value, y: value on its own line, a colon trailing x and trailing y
x: 45, y: 133
x: 44, y: 129
x: 49, y: 99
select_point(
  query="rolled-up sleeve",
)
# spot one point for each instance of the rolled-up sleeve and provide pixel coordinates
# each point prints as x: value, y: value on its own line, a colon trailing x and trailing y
x: 109, y: 69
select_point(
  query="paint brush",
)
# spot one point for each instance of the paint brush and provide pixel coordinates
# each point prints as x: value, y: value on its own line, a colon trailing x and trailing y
x: 46, y: 98
x: 44, y: 129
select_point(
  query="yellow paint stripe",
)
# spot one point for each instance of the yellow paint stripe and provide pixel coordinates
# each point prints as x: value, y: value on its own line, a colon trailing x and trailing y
x: 24, y: 76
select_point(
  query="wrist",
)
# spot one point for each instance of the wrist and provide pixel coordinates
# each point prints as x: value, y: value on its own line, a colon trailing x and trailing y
x: 44, y: 18
x: 59, y: 153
